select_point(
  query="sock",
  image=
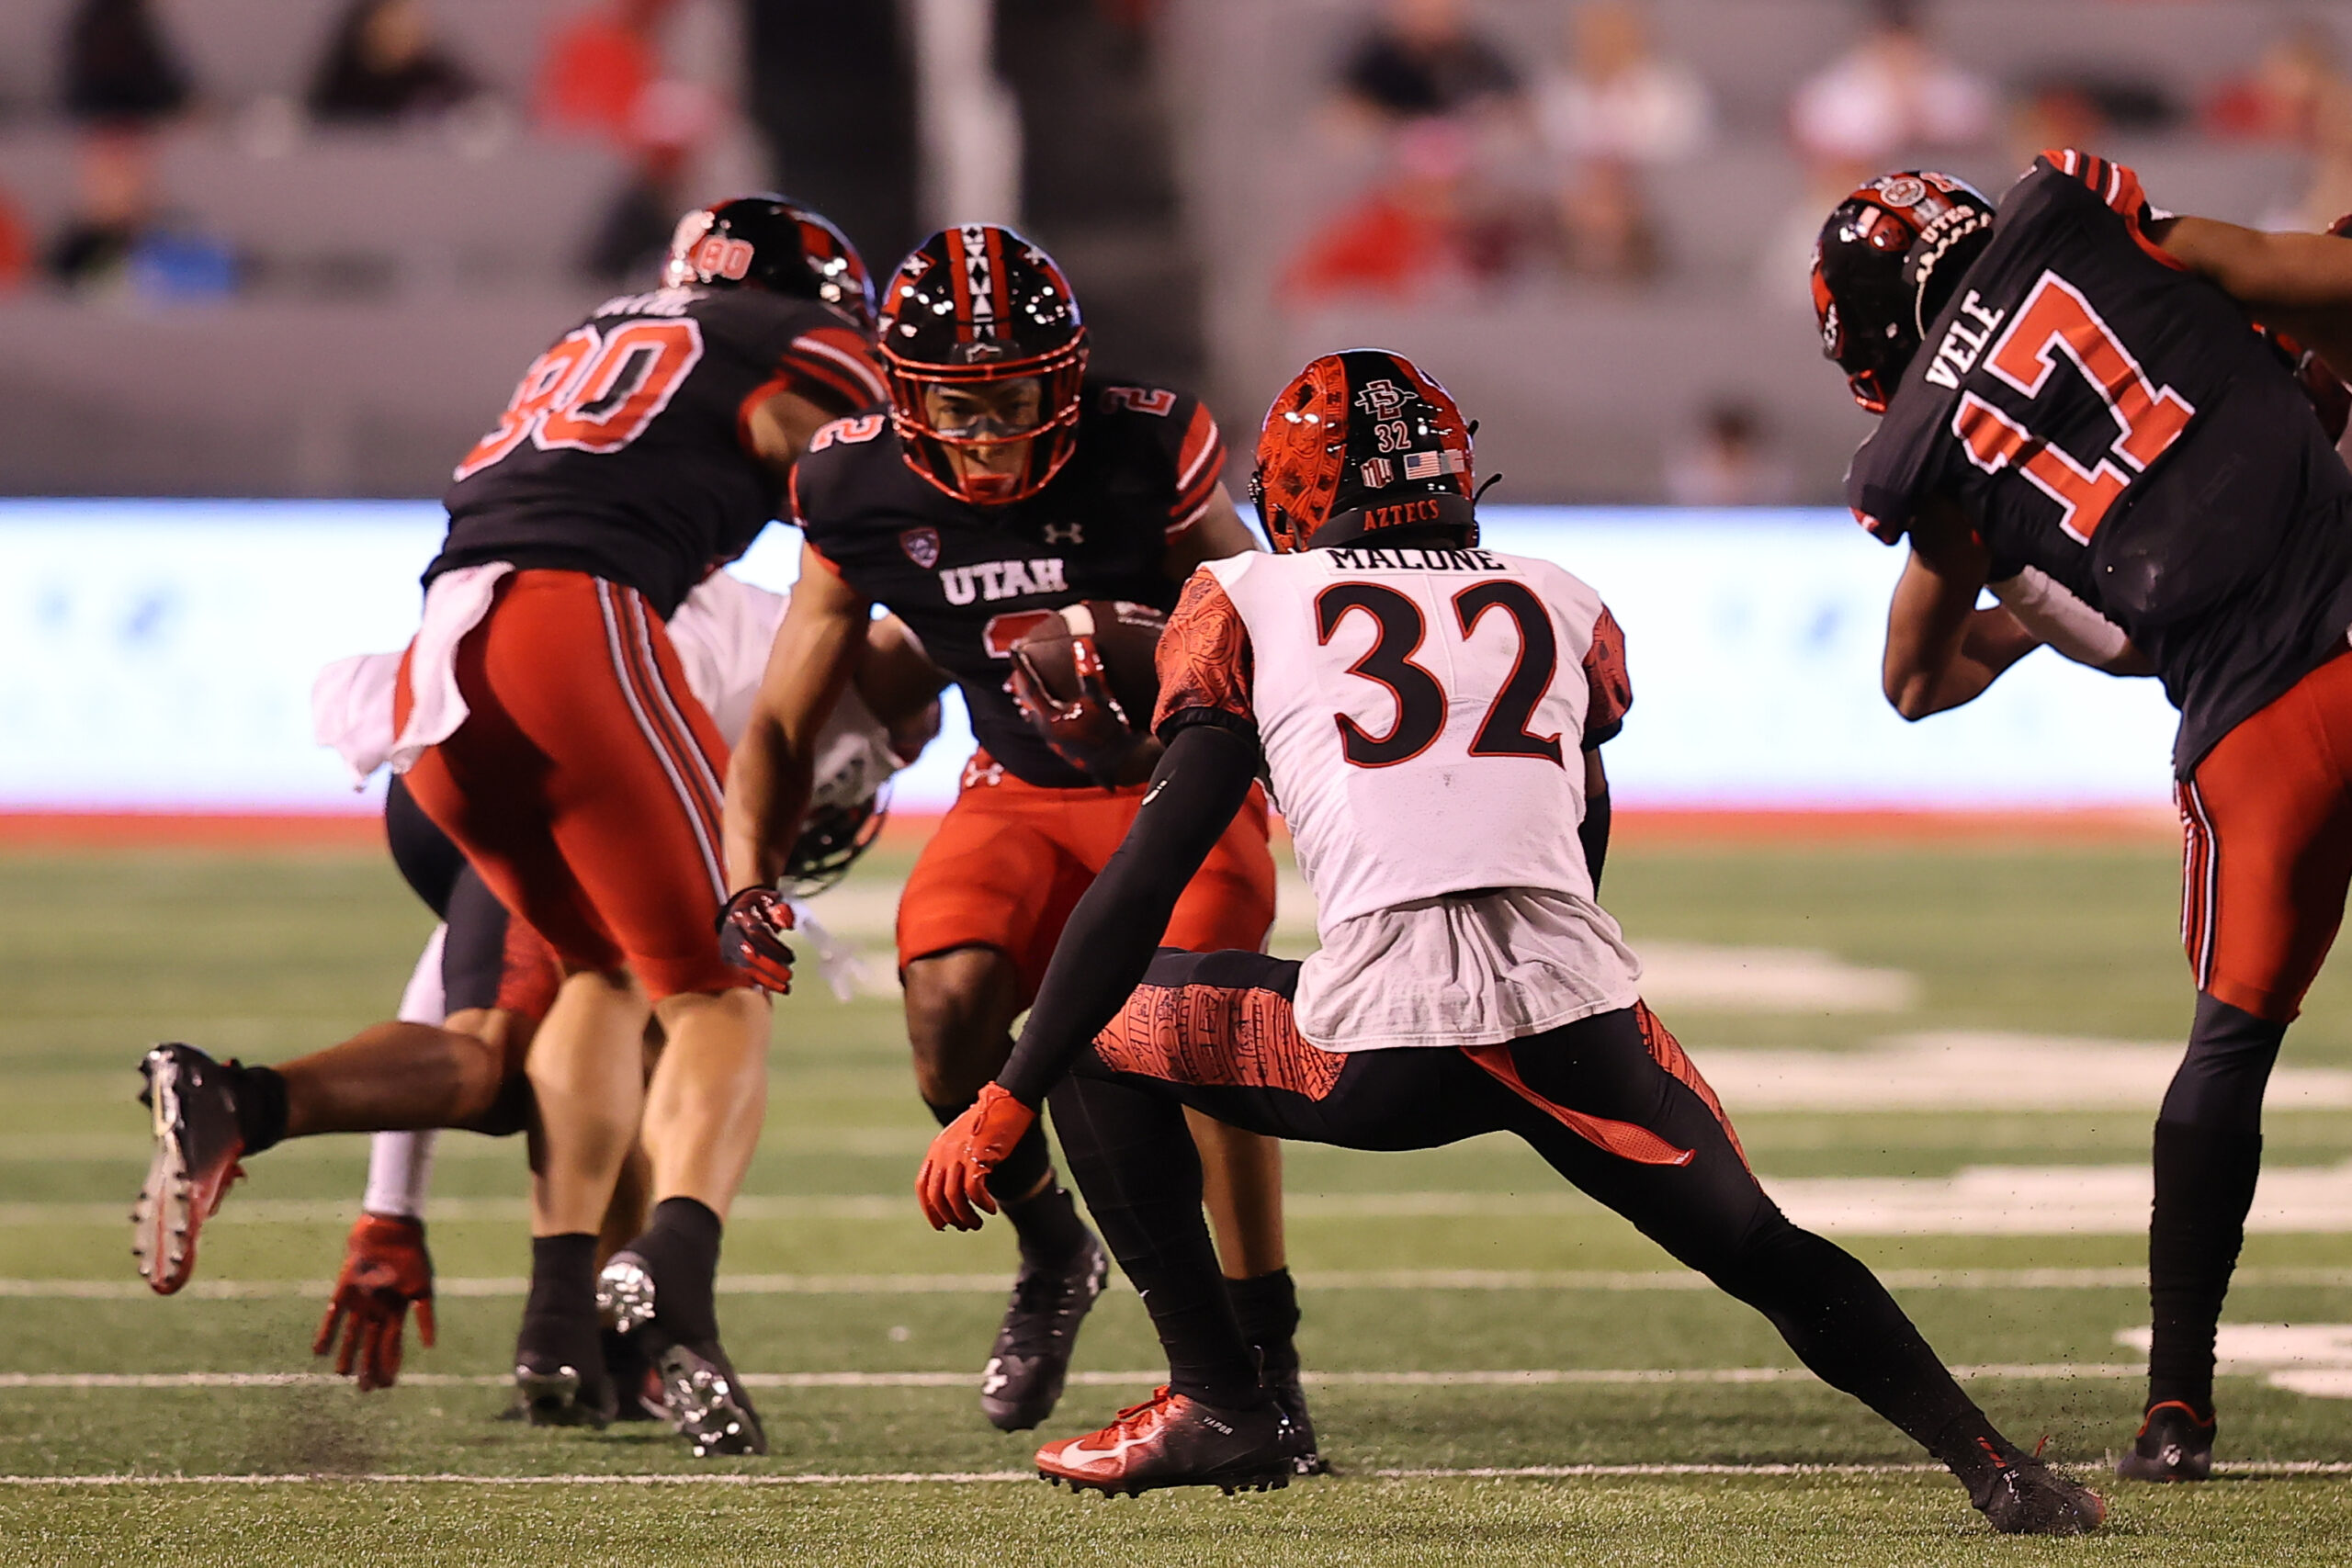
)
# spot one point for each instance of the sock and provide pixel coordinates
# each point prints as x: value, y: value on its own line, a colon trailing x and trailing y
x: 1136, y: 1161
x: 560, y: 1315
x: 1050, y: 1231
x: 1846, y: 1328
x: 1266, y: 1305
x: 563, y: 1278
x: 2205, y: 1179
x: 259, y: 1095
x: 400, y: 1172
x: 681, y: 1246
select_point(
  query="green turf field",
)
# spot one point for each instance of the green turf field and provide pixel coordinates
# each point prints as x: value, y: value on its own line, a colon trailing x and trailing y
x: 1465, y: 1314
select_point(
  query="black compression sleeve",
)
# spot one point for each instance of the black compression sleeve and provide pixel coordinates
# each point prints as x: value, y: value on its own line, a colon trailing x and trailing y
x: 1201, y: 780
x: 1593, y: 834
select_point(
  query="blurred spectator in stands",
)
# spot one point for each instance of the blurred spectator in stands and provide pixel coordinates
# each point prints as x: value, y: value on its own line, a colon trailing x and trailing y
x: 2280, y: 99
x: 2084, y: 110
x: 112, y: 207
x: 1729, y: 460
x: 120, y: 69
x: 1422, y: 61
x: 597, y: 66
x: 671, y: 120
x: 115, y: 243
x: 1609, y: 109
x: 16, y: 245
x: 1418, y: 228
x: 1891, y: 93
x: 384, y: 64
x: 1613, y: 98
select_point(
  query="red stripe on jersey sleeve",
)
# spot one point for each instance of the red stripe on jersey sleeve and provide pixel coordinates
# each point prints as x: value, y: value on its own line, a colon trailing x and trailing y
x: 1206, y: 669
x: 1200, y: 466
x: 1612, y: 687
x: 2117, y: 186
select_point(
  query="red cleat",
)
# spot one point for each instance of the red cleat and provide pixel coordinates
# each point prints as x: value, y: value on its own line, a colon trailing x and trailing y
x: 1174, y: 1441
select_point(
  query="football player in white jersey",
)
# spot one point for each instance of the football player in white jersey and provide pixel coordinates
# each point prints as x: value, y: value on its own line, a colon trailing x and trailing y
x: 1428, y: 715
x: 454, y: 1056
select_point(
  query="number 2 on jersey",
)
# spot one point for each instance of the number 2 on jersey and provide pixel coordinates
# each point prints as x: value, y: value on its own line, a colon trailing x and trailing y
x: 1420, y: 700
x: 2056, y: 318
x: 594, y: 392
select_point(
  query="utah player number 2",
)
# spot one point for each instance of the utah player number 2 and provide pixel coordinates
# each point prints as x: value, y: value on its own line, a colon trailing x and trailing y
x: 2057, y: 320
x: 1420, y: 701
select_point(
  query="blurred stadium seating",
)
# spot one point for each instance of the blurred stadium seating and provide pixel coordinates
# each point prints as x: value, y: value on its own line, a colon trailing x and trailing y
x: 393, y: 282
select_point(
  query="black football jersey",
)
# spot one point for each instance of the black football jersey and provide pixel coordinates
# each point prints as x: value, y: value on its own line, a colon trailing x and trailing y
x: 971, y: 581
x: 623, y: 450
x: 2104, y: 416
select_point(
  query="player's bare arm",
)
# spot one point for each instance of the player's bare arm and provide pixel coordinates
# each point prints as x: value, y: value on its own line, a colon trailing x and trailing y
x: 2299, y: 283
x: 1941, y: 650
x: 771, y: 773
x: 777, y: 431
x: 900, y: 685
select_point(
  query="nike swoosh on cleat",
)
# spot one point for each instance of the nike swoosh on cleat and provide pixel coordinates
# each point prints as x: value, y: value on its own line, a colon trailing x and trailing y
x: 1078, y: 1451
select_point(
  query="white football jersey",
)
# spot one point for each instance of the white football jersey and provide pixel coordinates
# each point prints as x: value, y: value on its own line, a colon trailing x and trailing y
x: 1424, y: 714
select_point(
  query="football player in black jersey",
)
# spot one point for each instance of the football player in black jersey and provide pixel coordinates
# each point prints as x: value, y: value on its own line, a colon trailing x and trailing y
x: 2064, y: 388
x: 1000, y: 483
x: 546, y: 726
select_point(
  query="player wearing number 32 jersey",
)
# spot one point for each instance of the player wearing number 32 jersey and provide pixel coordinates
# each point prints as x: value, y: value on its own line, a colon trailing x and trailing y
x: 2063, y: 387
x: 1430, y: 715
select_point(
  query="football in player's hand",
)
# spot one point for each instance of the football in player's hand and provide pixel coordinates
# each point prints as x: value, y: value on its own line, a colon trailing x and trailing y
x: 1084, y: 677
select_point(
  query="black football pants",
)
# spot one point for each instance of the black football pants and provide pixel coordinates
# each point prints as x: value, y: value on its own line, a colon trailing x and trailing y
x: 1213, y: 1031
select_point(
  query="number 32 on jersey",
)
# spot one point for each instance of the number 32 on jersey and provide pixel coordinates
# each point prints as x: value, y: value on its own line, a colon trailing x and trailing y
x: 1421, y: 698
x: 2054, y: 319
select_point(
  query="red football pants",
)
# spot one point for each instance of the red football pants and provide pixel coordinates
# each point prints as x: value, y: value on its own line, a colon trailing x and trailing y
x: 2266, y: 825
x: 584, y: 785
x: 1011, y: 861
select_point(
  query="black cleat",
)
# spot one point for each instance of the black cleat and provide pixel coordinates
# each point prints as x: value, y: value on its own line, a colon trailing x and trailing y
x: 695, y: 1385
x: 198, y: 1141
x: 1306, y: 1458
x: 559, y: 1379
x: 1030, y: 1361
x: 706, y: 1402
x: 1171, y: 1439
x: 2025, y: 1496
x: 2172, y: 1445
x: 634, y: 1379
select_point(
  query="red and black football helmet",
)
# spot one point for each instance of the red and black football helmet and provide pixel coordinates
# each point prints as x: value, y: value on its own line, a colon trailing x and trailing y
x: 1885, y: 265
x: 769, y: 242
x: 977, y: 304
x: 1360, y: 441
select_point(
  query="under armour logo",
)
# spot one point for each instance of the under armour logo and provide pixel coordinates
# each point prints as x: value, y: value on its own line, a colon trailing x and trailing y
x: 1065, y: 534
x: 993, y: 1377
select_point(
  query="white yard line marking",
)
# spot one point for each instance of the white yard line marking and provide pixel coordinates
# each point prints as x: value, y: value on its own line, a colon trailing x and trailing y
x: 1628, y: 1282
x: 2259, y: 1468
x: 2084, y: 1200
x: 1539, y: 1377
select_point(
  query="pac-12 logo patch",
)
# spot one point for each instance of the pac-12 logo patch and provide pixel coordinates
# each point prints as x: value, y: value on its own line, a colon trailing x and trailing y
x: 921, y: 545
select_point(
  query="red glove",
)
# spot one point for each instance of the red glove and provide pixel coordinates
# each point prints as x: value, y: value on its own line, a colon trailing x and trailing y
x: 954, y: 1175
x: 385, y: 1267
x: 750, y: 936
